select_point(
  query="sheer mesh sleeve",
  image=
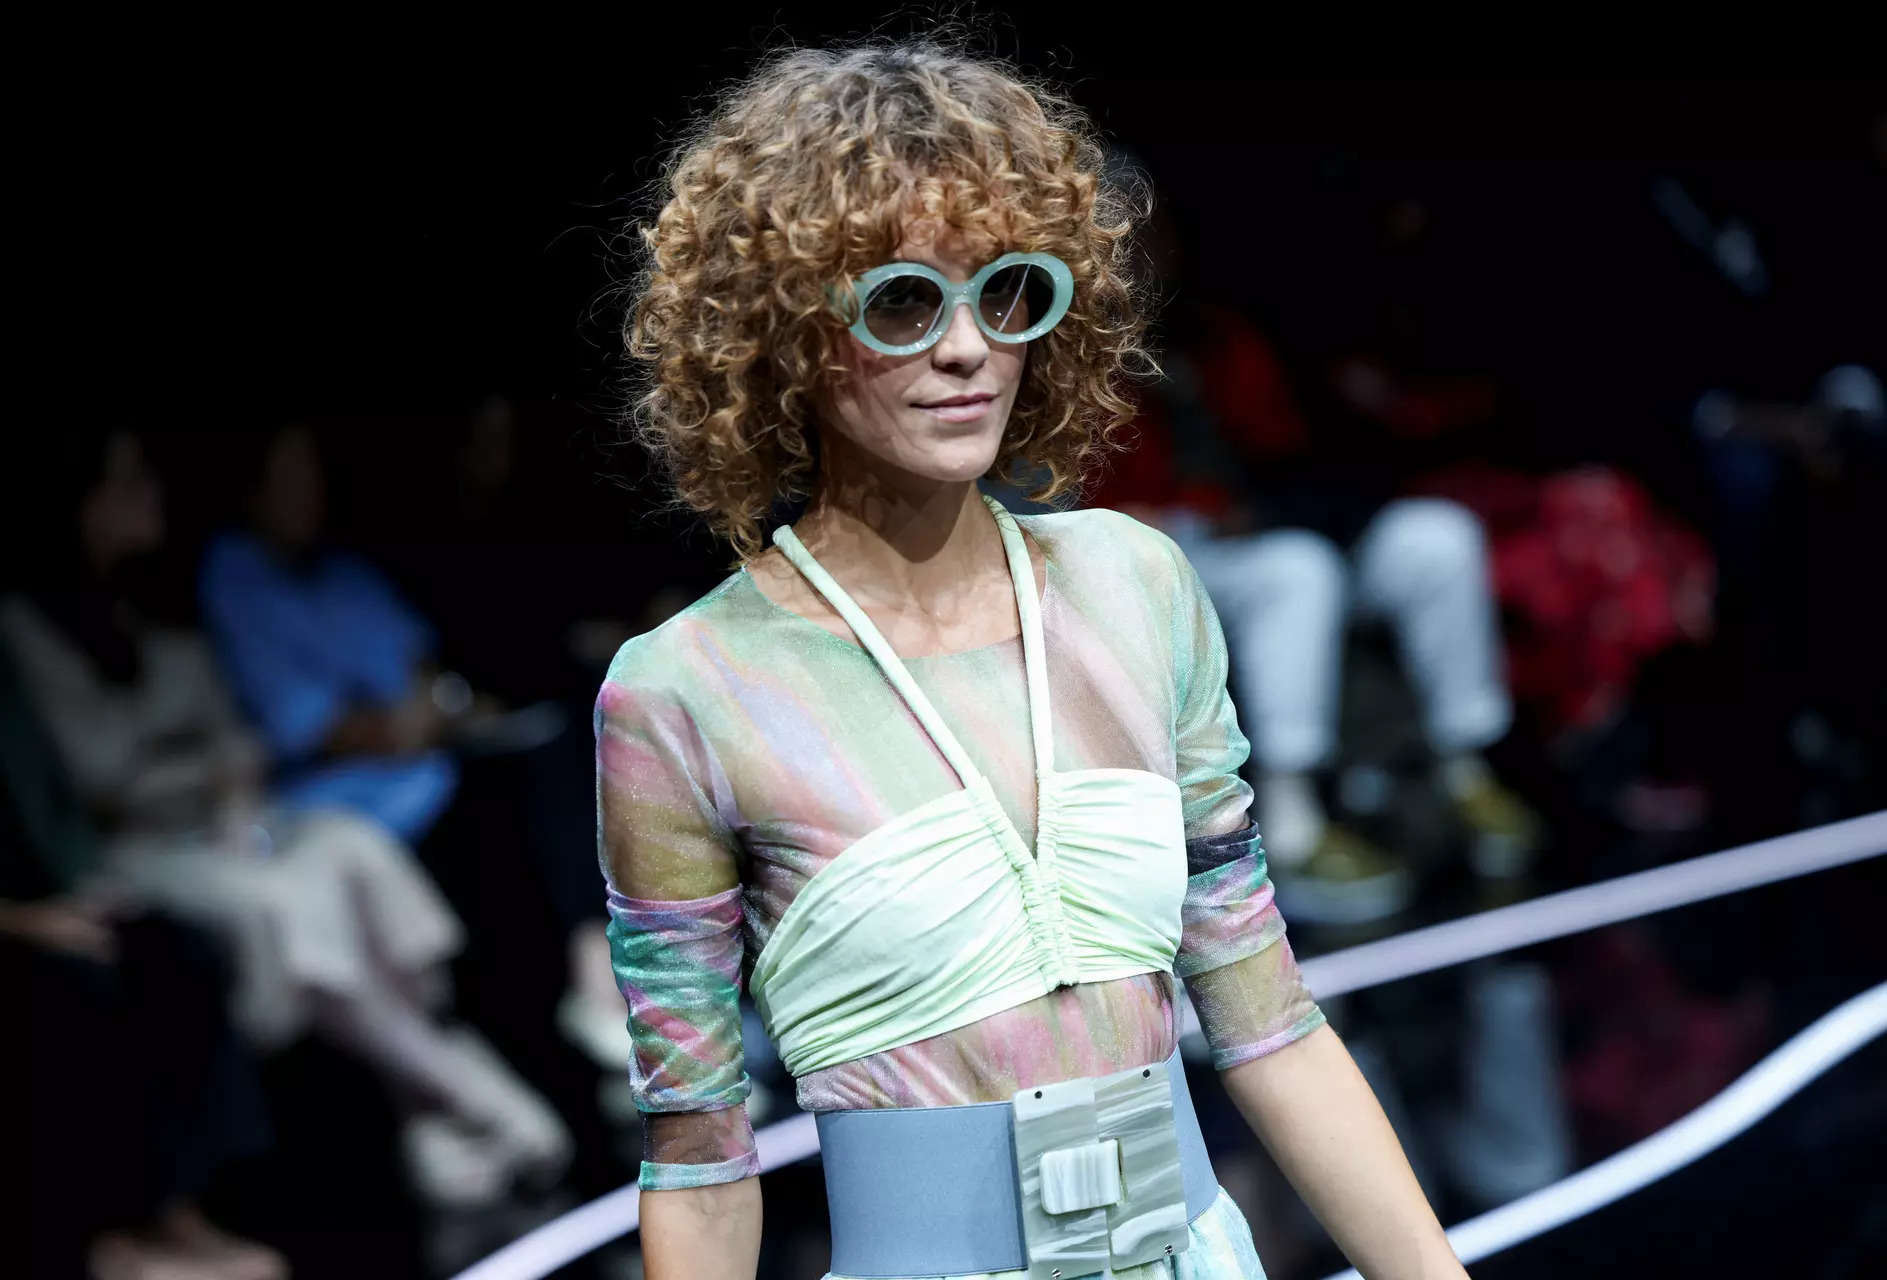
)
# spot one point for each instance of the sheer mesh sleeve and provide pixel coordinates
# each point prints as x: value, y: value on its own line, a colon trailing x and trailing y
x: 675, y: 931
x: 1209, y: 747
x: 1233, y: 955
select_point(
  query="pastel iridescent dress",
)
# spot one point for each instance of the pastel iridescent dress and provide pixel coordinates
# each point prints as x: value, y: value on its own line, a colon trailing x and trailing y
x: 842, y: 831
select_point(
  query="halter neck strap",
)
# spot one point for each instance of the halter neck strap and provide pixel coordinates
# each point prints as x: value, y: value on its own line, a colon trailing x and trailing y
x: 1028, y: 610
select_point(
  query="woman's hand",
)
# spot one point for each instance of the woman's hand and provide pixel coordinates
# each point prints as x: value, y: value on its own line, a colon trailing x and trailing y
x: 408, y: 727
x: 70, y: 926
x: 240, y: 768
x: 239, y: 826
x: 417, y: 723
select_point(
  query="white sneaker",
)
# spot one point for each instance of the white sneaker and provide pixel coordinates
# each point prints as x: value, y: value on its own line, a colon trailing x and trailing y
x: 531, y: 1134
x: 600, y: 1030
x: 450, y: 1166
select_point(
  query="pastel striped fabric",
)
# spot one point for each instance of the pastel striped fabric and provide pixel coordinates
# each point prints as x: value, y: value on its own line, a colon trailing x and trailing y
x: 742, y: 747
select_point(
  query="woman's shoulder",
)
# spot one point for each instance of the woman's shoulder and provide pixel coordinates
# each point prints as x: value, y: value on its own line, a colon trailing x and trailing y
x: 1102, y: 544
x: 676, y: 654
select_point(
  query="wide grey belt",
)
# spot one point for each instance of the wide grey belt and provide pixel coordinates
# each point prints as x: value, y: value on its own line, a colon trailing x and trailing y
x: 1062, y: 1181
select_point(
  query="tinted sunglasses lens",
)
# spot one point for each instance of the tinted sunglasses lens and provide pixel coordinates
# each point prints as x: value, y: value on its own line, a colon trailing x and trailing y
x: 1016, y: 297
x: 901, y: 310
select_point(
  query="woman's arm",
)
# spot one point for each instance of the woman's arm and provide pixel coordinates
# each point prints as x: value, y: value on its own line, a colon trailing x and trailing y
x: 677, y: 943
x: 1314, y: 1112
x: 702, y: 1233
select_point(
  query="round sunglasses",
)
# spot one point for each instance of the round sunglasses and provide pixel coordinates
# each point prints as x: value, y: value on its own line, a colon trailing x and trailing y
x: 902, y: 308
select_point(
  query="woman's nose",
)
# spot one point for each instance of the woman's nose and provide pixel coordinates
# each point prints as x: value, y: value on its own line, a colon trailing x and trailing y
x: 963, y: 344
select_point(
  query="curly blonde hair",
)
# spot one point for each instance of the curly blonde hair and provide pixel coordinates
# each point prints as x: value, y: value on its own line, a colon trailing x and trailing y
x: 803, y: 175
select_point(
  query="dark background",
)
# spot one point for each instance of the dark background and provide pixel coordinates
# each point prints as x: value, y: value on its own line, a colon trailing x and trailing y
x: 391, y: 226
x: 346, y: 228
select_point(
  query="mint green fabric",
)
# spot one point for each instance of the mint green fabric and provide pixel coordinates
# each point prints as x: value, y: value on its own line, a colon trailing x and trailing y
x: 1098, y: 897
x: 743, y: 750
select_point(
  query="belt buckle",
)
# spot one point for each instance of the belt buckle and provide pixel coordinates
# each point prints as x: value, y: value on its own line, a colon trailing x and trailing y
x: 1097, y: 1163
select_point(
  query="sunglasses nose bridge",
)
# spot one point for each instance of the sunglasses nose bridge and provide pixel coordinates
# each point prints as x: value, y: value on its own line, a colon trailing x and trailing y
x: 945, y: 323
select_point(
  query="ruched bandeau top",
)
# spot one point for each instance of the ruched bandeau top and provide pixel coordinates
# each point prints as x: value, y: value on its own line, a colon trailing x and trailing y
x: 944, y: 915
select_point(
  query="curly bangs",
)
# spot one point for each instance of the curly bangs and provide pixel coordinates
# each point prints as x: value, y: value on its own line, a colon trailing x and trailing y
x: 813, y: 169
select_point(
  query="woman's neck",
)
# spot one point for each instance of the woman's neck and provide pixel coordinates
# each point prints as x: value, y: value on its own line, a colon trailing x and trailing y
x: 295, y: 557
x: 932, y: 548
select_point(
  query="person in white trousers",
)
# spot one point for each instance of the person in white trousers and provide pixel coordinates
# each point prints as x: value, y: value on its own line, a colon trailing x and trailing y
x: 1284, y: 598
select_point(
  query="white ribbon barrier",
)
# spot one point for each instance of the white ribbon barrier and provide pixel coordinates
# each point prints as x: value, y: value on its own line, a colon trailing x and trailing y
x: 563, y: 1240
x: 1755, y: 1094
x: 1559, y: 915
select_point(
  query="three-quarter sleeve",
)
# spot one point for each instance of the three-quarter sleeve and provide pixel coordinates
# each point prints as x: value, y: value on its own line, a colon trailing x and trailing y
x: 1233, y: 955
x: 676, y: 931
x: 1209, y: 748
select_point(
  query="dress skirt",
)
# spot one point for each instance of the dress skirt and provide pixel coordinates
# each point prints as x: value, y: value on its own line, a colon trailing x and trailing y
x: 1221, y: 1249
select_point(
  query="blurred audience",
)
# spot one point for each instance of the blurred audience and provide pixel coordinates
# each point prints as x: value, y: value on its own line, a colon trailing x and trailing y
x: 1596, y: 580
x: 345, y: 671
x: 1795, y: 481
x: 330, y: 664
x: 498, y: 549
x: 119, y: 1159
x: 1291, y: 545
x: 1752, y: 344
x: 333, y: 926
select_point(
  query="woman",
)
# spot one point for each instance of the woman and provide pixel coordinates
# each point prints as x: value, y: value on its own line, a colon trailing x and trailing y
x: 960, y: 822
x: 333, y: 926
x: 329, y: 663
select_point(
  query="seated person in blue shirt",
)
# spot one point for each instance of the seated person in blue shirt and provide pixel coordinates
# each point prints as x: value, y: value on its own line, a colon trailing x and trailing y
x: 332, y: 666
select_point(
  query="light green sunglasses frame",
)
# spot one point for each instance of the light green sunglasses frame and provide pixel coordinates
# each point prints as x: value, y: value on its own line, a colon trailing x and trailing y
x: 851, y: 303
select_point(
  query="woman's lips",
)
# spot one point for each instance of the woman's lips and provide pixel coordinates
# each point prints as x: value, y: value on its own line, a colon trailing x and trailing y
x: 965, y: 412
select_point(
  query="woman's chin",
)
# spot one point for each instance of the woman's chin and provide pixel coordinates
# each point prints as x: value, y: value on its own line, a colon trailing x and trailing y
x: 963, y: 460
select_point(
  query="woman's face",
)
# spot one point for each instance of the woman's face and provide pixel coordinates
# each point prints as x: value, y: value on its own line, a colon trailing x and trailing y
x: 123, y: 515
x: 886, y: 415
x: 290, y: 503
